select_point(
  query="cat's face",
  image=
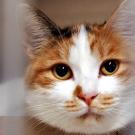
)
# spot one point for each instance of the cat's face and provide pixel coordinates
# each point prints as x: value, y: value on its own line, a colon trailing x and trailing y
x: 80, y: 78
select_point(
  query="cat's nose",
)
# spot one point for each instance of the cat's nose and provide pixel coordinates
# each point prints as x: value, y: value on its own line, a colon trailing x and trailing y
x: 87, y: 98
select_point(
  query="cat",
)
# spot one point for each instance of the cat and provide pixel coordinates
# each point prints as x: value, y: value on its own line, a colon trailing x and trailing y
x: 80, y: 79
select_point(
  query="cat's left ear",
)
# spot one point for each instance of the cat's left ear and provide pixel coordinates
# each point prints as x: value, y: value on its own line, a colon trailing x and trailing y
x: 123, y: 21
x: 37, y: 29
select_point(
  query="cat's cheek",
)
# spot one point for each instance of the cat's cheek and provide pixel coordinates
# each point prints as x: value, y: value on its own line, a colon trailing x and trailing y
x: 64, y: 89
x: 112, y: 86
x: 109, y: 85
x: 75, y: 108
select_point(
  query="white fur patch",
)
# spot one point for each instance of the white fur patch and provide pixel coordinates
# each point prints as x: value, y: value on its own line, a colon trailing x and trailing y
x: 83, y: 62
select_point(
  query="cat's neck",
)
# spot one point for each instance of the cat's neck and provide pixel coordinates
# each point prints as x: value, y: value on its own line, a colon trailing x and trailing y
x: 34, y: 127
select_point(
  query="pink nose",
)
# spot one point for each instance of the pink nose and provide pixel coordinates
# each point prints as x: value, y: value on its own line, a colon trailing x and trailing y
x: 87, y: 98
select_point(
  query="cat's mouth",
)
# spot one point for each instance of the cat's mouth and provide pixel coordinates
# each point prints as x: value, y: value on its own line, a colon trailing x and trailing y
x: 90, y: 115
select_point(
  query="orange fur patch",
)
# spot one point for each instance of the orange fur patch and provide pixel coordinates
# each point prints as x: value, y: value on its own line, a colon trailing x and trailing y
x: 77, y: 90
x: 108, y: 45
x: 39, y: 72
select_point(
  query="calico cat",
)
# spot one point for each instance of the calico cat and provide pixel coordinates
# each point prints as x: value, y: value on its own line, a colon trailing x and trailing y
x: 81, y: 78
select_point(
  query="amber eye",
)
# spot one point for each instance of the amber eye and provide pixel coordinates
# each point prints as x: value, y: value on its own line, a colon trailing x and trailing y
x: 109, y: 67
x: 62, y: 72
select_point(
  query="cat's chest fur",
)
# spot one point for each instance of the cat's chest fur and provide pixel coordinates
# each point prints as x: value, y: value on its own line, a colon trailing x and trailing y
x: 35, y: 128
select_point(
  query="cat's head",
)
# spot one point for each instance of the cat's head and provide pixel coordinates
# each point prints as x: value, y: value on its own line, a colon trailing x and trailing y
x: 81, y: 78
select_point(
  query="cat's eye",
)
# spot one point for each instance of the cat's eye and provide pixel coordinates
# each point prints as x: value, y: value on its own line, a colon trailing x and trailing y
x: 62, y: 71
x: 109, y: 67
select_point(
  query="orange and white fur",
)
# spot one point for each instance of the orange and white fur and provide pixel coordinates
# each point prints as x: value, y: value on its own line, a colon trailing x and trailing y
x: 81, y: 78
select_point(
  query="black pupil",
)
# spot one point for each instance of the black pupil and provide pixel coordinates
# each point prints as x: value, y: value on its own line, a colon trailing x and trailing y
x: 110, y: 66
x: 61, y: 70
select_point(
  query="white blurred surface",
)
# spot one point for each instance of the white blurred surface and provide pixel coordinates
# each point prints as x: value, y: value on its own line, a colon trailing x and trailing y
x: 12, y: 95
x: 12, y: 49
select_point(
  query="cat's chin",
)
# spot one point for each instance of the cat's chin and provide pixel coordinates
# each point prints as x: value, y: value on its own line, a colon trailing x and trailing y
x: 90, y: 116
x: 85, y: 124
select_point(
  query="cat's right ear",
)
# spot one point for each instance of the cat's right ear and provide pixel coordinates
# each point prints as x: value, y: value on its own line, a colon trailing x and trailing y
x: 37, y: 29
x: 123, y: 21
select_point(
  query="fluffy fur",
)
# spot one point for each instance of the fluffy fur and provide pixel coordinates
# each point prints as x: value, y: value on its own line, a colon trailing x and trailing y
x: 83, y: 48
